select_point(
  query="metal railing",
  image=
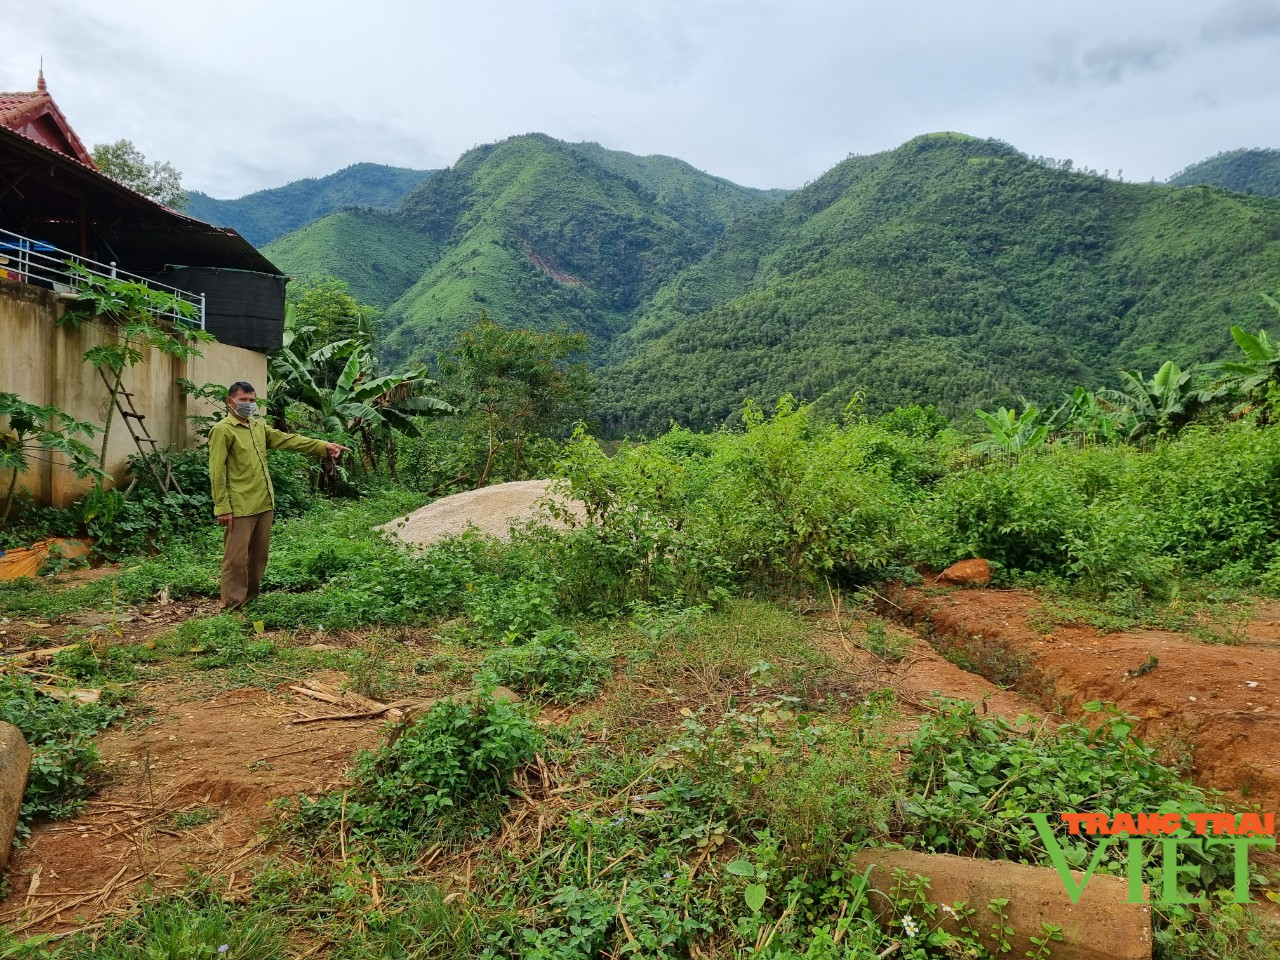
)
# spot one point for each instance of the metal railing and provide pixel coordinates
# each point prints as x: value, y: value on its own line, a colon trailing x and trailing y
x: 43, y: 264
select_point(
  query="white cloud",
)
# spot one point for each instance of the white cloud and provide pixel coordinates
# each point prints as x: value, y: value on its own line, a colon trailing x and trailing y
x: 767, y: 93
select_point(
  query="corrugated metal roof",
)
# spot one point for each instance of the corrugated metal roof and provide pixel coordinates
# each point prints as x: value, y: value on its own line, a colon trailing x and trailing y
x: 159, y: 235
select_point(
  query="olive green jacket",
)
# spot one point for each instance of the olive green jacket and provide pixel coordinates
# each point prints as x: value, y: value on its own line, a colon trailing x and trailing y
x: 238, y: 464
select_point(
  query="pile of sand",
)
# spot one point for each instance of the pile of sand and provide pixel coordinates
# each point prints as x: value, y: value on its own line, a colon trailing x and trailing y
x: 491, y: 510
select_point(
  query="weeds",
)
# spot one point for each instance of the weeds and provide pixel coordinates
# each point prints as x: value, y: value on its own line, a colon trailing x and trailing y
x: 553, y: 665
x: 65, y: 764
x: 203, y: 926
x: 998, y: 661
x: 188, y: 819
x: 461, y: 753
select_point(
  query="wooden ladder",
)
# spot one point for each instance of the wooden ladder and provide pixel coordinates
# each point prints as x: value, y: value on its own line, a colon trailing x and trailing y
x: 136, y: 423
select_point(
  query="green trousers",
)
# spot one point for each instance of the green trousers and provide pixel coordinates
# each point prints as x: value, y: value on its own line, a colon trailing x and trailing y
x: 245, y: 548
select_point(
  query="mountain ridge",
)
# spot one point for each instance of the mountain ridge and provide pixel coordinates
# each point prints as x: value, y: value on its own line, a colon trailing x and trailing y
x: 1247, y: 170
x: 952, y: 270
x: 266, y: 215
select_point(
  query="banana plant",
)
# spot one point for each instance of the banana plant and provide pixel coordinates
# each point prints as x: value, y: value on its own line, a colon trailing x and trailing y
x: 1011, y: 434
x: 1257, y: 377
x: 1082, y: 415
x: 1163, y: 404
x: 300, y: 352
x: 366, y: 407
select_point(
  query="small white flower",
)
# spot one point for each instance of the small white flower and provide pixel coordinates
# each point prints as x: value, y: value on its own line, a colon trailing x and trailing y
x: 950, y: 911
x: 909, y: 926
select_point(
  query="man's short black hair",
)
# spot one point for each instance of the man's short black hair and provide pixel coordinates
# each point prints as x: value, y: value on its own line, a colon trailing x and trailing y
x: 239, y: 387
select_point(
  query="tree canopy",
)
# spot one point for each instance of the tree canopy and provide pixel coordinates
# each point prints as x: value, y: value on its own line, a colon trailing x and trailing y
x: 158, y: 179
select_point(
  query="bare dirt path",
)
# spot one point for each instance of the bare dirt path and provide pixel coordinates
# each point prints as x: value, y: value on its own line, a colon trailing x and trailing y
x: 191, y: 785
x: 1212, y: 706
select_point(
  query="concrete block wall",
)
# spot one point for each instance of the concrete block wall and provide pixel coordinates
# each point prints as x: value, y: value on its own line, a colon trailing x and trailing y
x: 43, y: 364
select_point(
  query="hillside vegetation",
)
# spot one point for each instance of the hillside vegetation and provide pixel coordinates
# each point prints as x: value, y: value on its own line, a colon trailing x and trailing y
x: 263, y: 216
x: 952, y: 270
x: 1246, y: 171
x: 375, y: 252
x: 535, y: 232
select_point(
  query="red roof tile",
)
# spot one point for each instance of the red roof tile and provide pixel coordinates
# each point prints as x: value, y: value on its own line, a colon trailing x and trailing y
x: 19, y: 110
x: 14, y: 106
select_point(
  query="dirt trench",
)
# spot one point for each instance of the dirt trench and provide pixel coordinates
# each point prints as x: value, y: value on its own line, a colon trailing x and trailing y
x: 1212, y: 708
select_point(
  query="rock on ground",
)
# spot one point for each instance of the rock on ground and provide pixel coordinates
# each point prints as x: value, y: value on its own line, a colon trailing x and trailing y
x: 491, y: 510
x: 967, y: 573
x: 1102, y: 926
x: 15, y: 765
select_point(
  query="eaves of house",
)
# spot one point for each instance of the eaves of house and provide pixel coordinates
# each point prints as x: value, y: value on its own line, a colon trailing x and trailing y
x: 51, y: 192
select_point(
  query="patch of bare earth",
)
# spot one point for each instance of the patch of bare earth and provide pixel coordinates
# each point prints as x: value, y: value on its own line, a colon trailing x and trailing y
x: 224, y: 757
x: 128, y: 625
x: 1214, y: 706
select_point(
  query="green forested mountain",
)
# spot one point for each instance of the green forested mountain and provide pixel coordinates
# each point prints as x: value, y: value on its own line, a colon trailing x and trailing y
x: 951, y: 270
x: 531, y: 230
x: 1245, y: 171
x: 681, y: 191
x: 267, y: 214
x: 377, y: 253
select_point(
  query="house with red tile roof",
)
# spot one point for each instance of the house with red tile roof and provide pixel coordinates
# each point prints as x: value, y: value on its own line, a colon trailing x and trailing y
x: 54, y: 198
x: 57, y: 208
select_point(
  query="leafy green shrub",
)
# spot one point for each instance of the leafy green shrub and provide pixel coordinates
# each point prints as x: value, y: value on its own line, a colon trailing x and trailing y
x: 552, y: 665
x: 460, y: 753
x: 65, y: 765
x: 1213, y: 499
x: 377, y: 584
x: 788, y: 501
x: 1117, y: 517
x: 962, y: 762
x: 817, y: 801
x: 914, y: 421
x: 309, y: 564
x: 769, y: 767
x: 1065, y: 512
x: 512, y: 610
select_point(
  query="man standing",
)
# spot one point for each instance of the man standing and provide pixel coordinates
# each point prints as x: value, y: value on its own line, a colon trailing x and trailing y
x: 243, y: 498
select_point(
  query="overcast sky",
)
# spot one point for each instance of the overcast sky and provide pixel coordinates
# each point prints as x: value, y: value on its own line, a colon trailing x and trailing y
x: 241, y: 95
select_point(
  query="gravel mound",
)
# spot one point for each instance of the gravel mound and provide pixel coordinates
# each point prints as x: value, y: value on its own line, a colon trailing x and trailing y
x: 491, y: 510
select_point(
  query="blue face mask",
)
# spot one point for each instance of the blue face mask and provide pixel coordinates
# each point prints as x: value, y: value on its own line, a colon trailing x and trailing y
x: 246, y: 409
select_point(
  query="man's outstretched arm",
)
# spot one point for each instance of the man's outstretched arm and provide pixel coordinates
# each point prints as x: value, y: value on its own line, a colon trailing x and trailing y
x: 280, y: 440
